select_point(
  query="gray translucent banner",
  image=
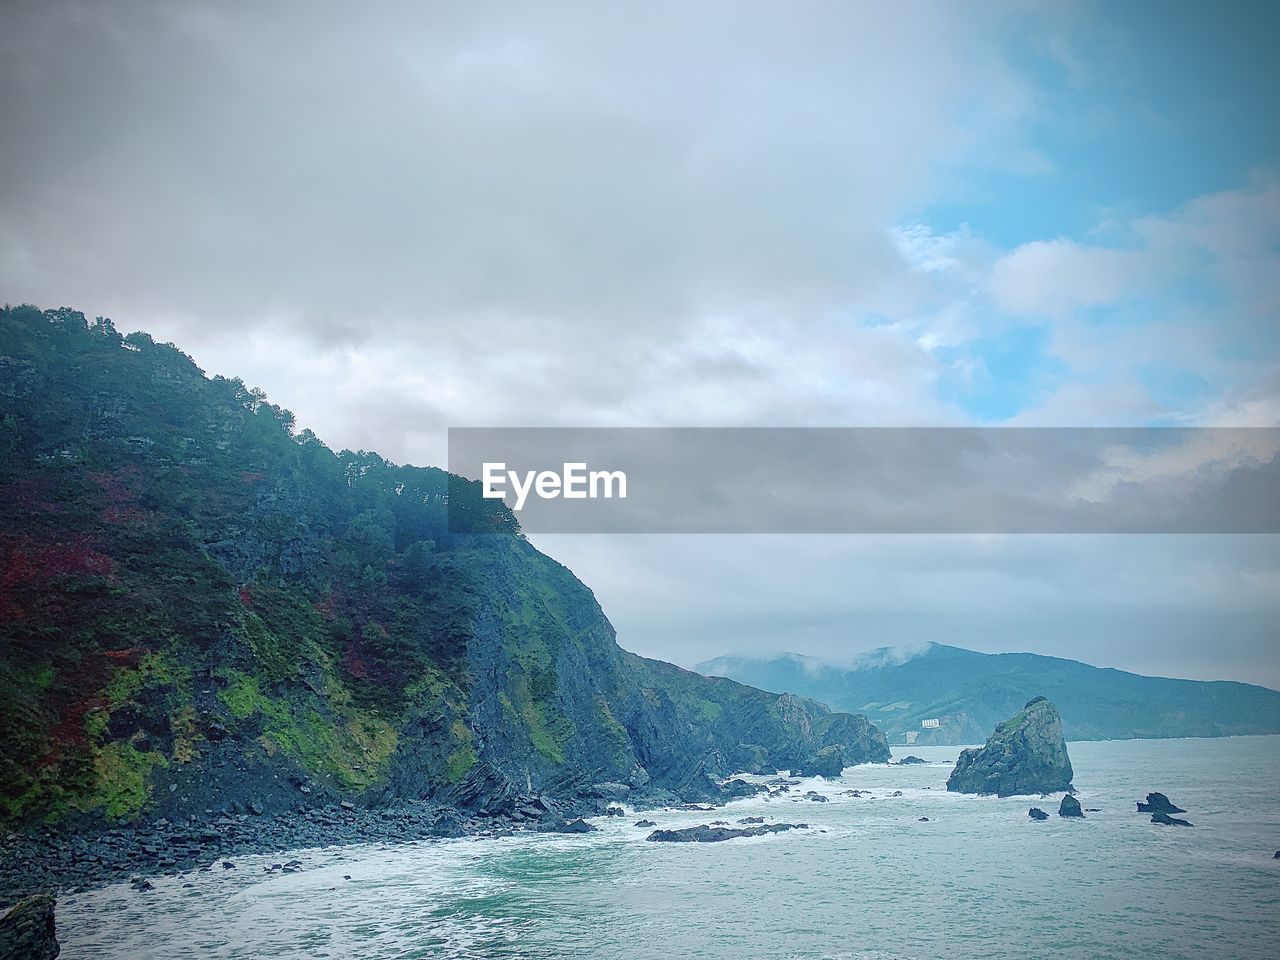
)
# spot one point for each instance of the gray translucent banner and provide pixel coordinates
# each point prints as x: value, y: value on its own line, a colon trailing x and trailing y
x: 868, y: 480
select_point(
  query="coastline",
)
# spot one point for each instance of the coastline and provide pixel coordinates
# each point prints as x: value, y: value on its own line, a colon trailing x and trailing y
x: 64, y: 860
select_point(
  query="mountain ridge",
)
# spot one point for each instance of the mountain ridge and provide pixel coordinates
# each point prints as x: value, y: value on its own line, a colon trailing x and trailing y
x: 970, y: 692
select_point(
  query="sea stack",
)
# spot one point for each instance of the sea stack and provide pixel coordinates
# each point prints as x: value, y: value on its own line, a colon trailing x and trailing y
x: 1158, y: 803
x: 1025, y: 755
x: 1070, y: 807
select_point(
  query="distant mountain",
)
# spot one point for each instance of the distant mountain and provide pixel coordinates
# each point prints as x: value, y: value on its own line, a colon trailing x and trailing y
x: 968, y: 693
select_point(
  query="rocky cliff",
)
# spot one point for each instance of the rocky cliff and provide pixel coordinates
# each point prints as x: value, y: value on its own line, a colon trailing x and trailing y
x: 202, y: 608
x: 1026, y: 754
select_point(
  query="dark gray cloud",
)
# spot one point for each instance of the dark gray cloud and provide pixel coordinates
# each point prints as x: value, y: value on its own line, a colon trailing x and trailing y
x: 421, y: 164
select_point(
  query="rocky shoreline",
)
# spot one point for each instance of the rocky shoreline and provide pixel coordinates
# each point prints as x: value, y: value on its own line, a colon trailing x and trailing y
x: 66, y: 860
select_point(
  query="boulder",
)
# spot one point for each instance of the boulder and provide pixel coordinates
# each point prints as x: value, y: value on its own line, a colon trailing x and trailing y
x: 709, y: 834
x: 1025, y: 755
x: 609, y: 790
x: 1168, y: 821
x: 1158, y: 803
x: 1035, y: 813
x: 1070, y: 807
x: 909, y: 761
x: 27, y: 931
x: 739, y: 789
x: 645, y: 823
x: 554, y: 824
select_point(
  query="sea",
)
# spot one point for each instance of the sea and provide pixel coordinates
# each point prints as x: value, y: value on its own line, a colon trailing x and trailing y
x: 870, y: 879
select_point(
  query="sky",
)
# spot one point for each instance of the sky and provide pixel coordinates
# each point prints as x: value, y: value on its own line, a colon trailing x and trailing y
x: 397, y: 218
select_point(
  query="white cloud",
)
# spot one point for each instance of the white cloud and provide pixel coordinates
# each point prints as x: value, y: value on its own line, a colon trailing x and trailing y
x: 1054, y: 277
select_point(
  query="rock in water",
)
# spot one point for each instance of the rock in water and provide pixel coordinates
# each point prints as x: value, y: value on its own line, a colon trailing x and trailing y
x: 1035, y: 813
x: 910, y: 761
x: 1168, y: 821
x: 1070, y: 807
x: 1158, y: 803
x: 27, y: 930
x: 708, y: 834
x: 1026, y: 754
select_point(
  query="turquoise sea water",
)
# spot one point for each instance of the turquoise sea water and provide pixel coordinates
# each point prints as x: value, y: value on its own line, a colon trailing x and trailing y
x: 979, y: 879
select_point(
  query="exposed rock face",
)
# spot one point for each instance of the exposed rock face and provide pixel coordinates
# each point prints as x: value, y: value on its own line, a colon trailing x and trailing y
x: 1158, y: 803
x: 1026, y: 754
x: 709, y: 834
x: 27, y: 931
x: 827, y: 762
x: 1070, y: 807
x: 1035, y: 813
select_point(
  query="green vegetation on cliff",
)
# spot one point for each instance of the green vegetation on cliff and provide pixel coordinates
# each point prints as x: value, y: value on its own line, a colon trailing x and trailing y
x: 200, y: 604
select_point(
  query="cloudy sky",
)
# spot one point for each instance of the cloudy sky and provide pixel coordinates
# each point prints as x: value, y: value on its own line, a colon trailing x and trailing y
x: 398, y: 218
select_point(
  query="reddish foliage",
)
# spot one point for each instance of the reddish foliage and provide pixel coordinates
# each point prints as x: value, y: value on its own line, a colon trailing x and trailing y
x: 252, y: 476
x: 129, y: 657
x: 79, y: 690
x: 353, y: 662
x: 328, y: 607
x: 246, y: 597
x: 69, y: 731
x: 124, y: 515
x: 27, y: 565
x: 118, y: 485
